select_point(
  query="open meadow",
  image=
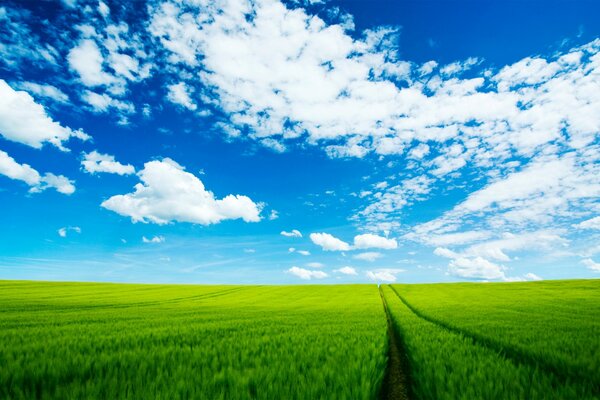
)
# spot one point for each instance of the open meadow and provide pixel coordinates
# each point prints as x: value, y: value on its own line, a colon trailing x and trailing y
x: 536, y: 340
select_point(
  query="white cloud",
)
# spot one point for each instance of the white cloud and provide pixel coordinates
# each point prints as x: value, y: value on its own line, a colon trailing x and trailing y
x: 444, y: 252
x: 593, y: 223
x: 62, y: 232
x: 496, y: 249
x: 591, y: 264
x: 180, y: 94
x: 283, y: 73
x: 389, y: 204
x: 44, y: 91
x: 154, y: 239
x: 103, y: 9
x: 475, y: 268
x: 314, y: 265
x: 168, y: 193
x: 346, y: 271
x: 533, y: 277
x: 368, y: 256
x: 86, y: 59
x: 329, y: 242
x: 25, y: 121
x: 306, y: 273
x: 384, y: 274
x: 107, y: 58
x: 60, y: 183
x: 22, y: 172
x: 96, y: 162
x: 102, y: 103
x: 419, y: 151
x: 273, y: 215
x: 369, y: 240
x: 292, y: 233
x: 25, y: 173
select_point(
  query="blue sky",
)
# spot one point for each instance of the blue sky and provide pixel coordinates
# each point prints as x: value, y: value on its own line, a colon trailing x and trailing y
x: 239, y: 141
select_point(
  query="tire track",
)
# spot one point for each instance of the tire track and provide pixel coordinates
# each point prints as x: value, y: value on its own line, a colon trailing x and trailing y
x: 511, y: 353
x: 396, y: 384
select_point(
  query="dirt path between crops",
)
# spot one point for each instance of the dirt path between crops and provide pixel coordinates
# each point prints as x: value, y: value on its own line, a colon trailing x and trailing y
x: 396, y: 382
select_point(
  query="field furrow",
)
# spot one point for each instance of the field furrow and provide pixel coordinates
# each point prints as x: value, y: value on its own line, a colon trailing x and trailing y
x: 446, y: 364
x: 553, y: 325
x: 396, y: 385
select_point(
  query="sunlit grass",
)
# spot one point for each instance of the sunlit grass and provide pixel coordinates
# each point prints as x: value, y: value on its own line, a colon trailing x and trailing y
x: 76, y: 341
x: 447, y: 364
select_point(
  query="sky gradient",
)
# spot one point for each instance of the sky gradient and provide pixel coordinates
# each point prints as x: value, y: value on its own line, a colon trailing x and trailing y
x: 237, y: 141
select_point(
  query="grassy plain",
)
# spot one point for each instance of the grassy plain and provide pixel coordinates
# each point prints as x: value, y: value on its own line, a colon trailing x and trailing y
x: 538, y: 340
x: 553, y: 323
x: 500, y: 341
x: 109, y: 341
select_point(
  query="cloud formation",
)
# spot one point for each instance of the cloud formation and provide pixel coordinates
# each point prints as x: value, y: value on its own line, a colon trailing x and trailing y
x: 329, y: 242
x: 369, y: 240
x: 307, y: 274
x: 292, y: 233
x: 384, y: 274
x: 38, y: 183
x: 168, y: 193
x: 25, y: 121
x: 95, y: 162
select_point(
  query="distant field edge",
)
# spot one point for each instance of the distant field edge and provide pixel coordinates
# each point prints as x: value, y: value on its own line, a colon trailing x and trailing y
x: 396, y: 383
x: 514, y: 354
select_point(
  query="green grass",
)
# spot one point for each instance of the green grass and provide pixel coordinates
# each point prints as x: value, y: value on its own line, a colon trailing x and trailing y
x: 449, y: 365
x: 553, y: 323
x: 537, y: 340
x: 78, y: 341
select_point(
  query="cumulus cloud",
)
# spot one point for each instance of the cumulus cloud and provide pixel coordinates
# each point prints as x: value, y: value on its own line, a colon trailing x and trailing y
x: 44, y: 91
x: 368, y: 256
x: 369, y: 240
x: 292, y: 233
x: 329, y: 242
x: 25, y: 121
x: 180, y: 94
x: 102, y: 103
x: 346, y: 271
x: 306, y: 273
x: 154, y: 239
x: 86, y: 59
x: 591, y: 264
x: 38, y: 183
x: 95, y: 162
x: 592, y: 223
x: 168, y: 193
x: 384, y: 274
x: 476, y: 268
x: 533, y: 277
x: 497, y: 249
x: 283, y: 73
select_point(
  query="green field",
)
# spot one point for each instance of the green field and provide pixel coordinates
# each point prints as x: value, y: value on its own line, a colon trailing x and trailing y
x: 536, y: 340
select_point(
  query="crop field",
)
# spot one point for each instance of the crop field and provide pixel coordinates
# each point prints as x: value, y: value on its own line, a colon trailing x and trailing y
x: 80, y: 341
x: 537, y: 340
